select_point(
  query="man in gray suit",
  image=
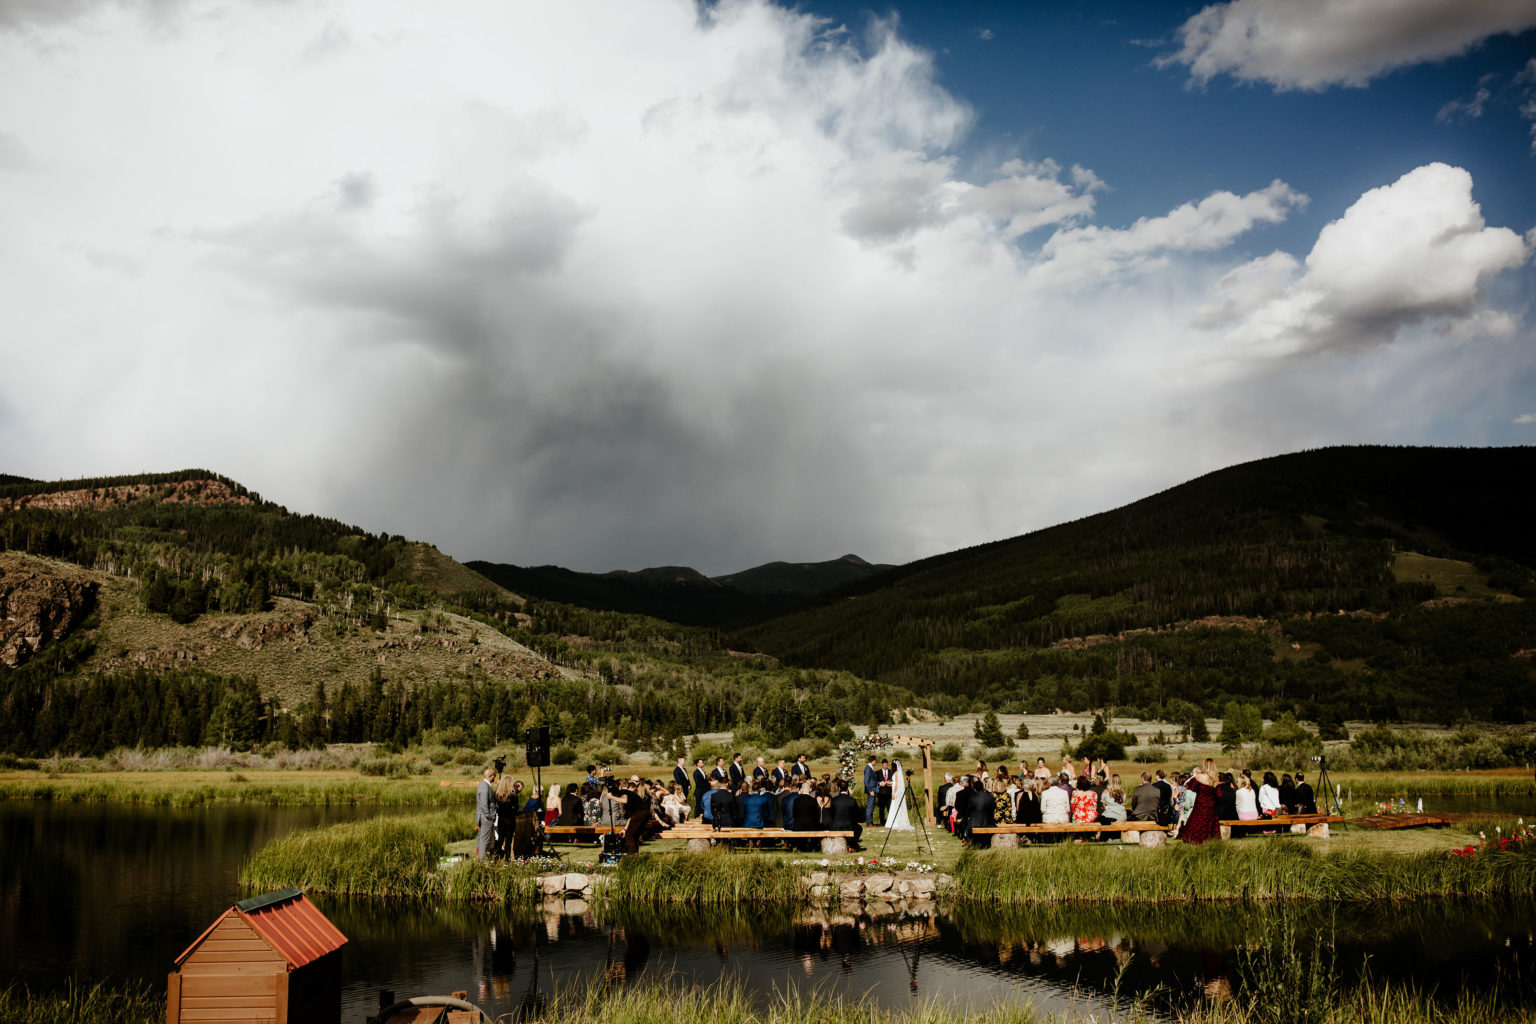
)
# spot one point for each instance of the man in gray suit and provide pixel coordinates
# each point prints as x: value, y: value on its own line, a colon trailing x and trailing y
x: 1144, y: 800
x: 485, y: 815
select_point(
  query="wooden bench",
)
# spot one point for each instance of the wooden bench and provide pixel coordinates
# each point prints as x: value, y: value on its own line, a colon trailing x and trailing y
x: 699, y: 836
x: 1314, y: 825
x: 1006, y: 837
x: 592, y: 833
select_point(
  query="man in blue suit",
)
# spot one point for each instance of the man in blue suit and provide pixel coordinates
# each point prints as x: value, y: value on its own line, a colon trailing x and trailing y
x: 871, y: 786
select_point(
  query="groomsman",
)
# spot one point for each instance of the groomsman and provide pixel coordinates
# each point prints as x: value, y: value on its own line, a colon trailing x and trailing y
x: 700, y: 786
x: 801, y: 771
x: 737, y: 773
x: 779, y: 775
x: 759, y: 770
x: 871, y: 794
x: 719, y: 771
x: 680, y: 776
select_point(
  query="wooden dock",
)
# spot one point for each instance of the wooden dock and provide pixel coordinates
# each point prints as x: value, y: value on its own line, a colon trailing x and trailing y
x: 1401, y: 820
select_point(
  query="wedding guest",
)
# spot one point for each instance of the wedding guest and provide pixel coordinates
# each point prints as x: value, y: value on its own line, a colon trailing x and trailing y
x: 1055, y: 806
x: 1245, y: 800
x: 485, y: 816
x: 1202, y: 823
x: 1269, y: 796
x: 1165, y: 810
x: 963, y: 800
x: 1114, y: 806
x: 680, y: 775
x: 1026, y: 808
x: 1085, y: 802
x: 675, y: 804
x: 508, y: 803
x: 1226, y: 798
x: 572, y: 811
x: 723, y: 807
x: 700, y: 786
x: 786, y: 802
x: 1145, y: 799
x: 807, y: 815
x: 1287, y: 794
x: 982, y: 809
x: 1306, y: 801
x: 552, y: 813
x: 754, y: 806
x: 845, y: 814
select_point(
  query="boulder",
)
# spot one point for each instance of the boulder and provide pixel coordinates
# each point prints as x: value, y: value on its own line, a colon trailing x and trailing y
x: 877, y: 884
x: 834, y: 845
x: 574, y: 908
x: 575, y: 882
x: 1154, y: 839
x: 852, y: 889
x: 552, y: 885
x: 1005, y: 841
x: 921, y: 888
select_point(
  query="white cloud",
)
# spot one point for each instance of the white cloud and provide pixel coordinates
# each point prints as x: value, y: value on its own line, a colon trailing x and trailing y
x: 1524, y: 418
x: 1313, y: 44
x: 608, y: 285
x: 1415, y: 250
x: 1464, y: 110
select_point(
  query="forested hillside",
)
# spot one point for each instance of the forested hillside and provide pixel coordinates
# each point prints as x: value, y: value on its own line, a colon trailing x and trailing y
x: 182, y: 609
x: 1287, y: 581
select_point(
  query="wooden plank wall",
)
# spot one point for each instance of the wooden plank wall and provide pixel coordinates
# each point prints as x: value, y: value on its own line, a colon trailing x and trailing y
x: 233, y: 974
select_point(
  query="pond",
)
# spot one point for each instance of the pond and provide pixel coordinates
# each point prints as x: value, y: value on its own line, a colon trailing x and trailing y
x: 104, y: 890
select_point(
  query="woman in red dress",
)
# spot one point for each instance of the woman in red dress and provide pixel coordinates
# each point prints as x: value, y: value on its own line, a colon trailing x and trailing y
x: 1202, y: 823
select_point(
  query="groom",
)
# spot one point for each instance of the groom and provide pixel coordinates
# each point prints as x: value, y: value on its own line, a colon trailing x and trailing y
x: 871, y: 792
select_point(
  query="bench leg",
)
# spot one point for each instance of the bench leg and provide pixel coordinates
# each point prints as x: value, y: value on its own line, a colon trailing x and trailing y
x: 1154, y: 839
x: 698, y: 845
x: 1318, y: 831
x: 1005, y: 841
x: 1226, y: 831
x: 1132, y: 836
x: 1298, y: 830
x: 834, y: 844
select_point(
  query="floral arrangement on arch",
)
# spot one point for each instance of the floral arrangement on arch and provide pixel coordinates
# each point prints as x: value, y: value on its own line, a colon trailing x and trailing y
x: 848, y: 756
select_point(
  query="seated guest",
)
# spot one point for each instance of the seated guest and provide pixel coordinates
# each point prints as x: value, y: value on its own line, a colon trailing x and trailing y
x: 963, y: 800
x: 1145, y: 799
x: 535, y: 804
x: 846, y: 814
x: 1165, y: 809
x: 591, y: 803
x: 675, y: 805
x: 786, y: 802
x: 572, y: 811
x: 1269, y: 796
x: 722, y: 804
x: 1055, y: 806
x: 807, y: 815
x: 1287, y: 794
x: 754, y: 806
x: 1226, y: 798
x: 1085, y: 802
x: 1306, y: 801
x: 1244, y: 800
x: 612, y: 811
x: 1114, y: 806
x: 1026, y: 809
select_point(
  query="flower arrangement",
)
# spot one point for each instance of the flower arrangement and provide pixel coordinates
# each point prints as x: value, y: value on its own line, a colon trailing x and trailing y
x: 1521, y: 837
x: 848, y: 756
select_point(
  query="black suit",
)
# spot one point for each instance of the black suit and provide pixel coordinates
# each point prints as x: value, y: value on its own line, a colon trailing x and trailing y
x: 720, y: 773
x: 847, y: 815
x: 736, y: 776
x: 1306, y: 801
x: 758, y: 771
x: 723, y: 809
x: 983, y: 815
x: 778, y: 775
x: 700, y: 787
x: 681, y: 778
x: 1165, y: 801
x: 800, y: 771
x: 786, y: 806
x: 963, y: 802
x: 807, y: 816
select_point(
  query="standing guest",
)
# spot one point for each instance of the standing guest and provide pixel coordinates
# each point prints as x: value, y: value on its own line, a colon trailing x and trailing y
x: 1085, y: 802
x: 700, y: 786
x: 754, y: 806
x: 759, y: 770
x: 572, y: 811
x: 800, y: 771
x: 1145, y: 799
x: 1114, y: 806
x: 638, y: 815
x: 1287, y: 794
x: 883, y: 790
x: 1244, y: 800
x: 509, y: 793
x: 1068, y: 766
x: 1306, y: 801
x: 983, y: 808
x: 872, y: 791
x: 612, y: 810
x: 485, y: 816
x: 736, y: 775
x: 552, y: 813
x: 964, y: 797
x: 779, y: 774
x: 1042, y: 772
x: 1165, y: 798
x: 1101, y: 772
x: 720, y: 772
x: 1026, y: 809
x: 1202, y: 823
x: 680, y: 776
x: 1226, y: 798
x: 1269, y: 796
x: 845, y: 814
x: 592, y: 779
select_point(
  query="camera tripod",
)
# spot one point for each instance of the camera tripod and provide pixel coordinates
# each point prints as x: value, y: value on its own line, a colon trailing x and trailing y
x: 1325, y: 786
x: 910, y: 802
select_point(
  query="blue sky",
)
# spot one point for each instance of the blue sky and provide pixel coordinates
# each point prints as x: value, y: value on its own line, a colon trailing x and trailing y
x: 617, y: 284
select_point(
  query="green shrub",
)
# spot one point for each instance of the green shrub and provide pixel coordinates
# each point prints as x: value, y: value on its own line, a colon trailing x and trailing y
x: 563, y: 755
x: 947, y: 752
x: 1150, y: 755
x: 375, y: 766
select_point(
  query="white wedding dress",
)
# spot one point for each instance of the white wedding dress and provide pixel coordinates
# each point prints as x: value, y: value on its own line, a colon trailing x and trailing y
x: 898, y: 819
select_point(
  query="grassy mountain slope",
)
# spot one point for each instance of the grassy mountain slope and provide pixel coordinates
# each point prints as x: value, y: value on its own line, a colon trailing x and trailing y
x: 1253, y: 554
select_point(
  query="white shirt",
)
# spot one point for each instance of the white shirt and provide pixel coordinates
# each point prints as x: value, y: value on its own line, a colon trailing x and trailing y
x: 1055, y: 806
x: 1247, y: 802
x: 1269, y: 798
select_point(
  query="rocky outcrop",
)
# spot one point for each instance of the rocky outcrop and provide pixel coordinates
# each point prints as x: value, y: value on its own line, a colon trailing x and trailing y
x: 38, y: 605
x: 180, y: 492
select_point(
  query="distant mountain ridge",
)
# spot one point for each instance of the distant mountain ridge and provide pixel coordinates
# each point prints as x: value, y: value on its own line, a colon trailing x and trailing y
x: 679, y: 593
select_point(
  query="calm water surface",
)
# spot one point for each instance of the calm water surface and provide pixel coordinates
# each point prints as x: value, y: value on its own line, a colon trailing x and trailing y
x: 103, y: 890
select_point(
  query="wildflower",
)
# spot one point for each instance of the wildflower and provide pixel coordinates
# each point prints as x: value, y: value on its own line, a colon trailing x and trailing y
x: 825, y: 862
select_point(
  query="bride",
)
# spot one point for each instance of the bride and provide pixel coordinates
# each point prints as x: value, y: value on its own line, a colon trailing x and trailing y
x: 898, y: 817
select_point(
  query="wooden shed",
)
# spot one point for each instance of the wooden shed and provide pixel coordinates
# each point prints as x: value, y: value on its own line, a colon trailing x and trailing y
x: 272, y: 958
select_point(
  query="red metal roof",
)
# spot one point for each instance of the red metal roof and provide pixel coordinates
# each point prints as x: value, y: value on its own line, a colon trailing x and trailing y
x: 296, y: 929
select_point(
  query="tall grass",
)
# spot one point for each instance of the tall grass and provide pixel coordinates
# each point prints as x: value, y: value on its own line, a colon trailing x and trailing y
x: 80, y: 1003
x: 713, y: 878
x: 1434, y: 784
x: 1275, y: 870
x: 197, y: 790
x: 393, y: 858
